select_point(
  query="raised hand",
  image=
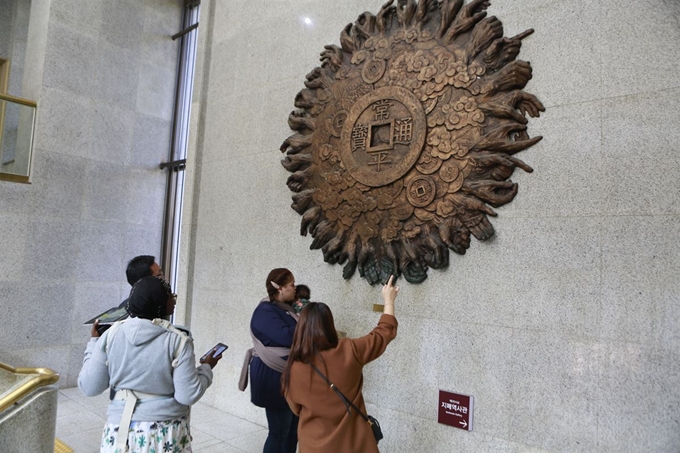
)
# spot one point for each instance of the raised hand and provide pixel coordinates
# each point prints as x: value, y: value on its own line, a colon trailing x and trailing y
x: 469, y: 15
x: 488, y: 30
x: 515, y: 75
x: 496, y: 193
x: 332, y: 55
x: 504, y: 50
x: 389, y: 294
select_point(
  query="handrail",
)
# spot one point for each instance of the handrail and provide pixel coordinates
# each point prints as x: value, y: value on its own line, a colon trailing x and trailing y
x: 16, y: 100
x: 14, y: 178
x: 43, y: 376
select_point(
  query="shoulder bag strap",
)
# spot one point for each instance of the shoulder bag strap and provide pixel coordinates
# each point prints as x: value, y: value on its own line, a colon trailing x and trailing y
x: 183, y: 337
x: 344, y: 399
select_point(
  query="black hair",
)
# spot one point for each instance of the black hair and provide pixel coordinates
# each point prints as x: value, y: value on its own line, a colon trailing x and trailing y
x: 302, y: 292
x: 148, y: 298
x: 139, y: 267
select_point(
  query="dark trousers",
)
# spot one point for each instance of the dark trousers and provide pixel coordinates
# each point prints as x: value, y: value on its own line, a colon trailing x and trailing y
x: 283, y: 426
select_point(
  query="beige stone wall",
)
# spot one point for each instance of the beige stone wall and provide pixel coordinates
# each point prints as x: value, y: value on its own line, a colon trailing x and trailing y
x: 103, y: 74
x: 565, y: 327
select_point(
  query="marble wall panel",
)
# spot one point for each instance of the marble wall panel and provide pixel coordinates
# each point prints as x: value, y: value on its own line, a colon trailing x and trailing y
x: 12, y: 258
x: 155, y: 93
x: 567, y: 163
x: 504, y: 9
x: 102, y: 240
x: 245, y: 253
x: 241, y: 178
x: 640, y: 136
x: 638, y: 398
x: 122, y: 23
x: 74, y: 133
x: 146, y: 202
x: 213, y: 245
x: 82, y: 16
x: 151, y: 141
x: 29, y: 327
x: 278, y: 103
x: 36, y: 46
x: 6, y: 19
x: 242, y: 18
x: 560, y: 261
x: 70, y: 53
x: 105, y: 184
x: 17, y: 199
x: 113, y: 130
x: 157, y: 47
x: 554, y: 391
x: 51, y: 248
x: 640, y: 263
x: 58, y: 184
x: 235, y: 70
x: 118, y: 73
x: 15, y: 40
x: 667, y: 327
x: 639, y: 47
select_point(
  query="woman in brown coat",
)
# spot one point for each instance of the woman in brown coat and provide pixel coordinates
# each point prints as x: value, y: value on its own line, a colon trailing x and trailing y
x: 325, y: 424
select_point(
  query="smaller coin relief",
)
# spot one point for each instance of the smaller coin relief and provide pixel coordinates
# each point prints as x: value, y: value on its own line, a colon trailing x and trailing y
x: 421, y: 191
x: 449, y: 171
x: 428, y: 164
x: 373, y: 70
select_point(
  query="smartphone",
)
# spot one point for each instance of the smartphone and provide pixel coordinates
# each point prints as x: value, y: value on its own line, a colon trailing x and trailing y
x: 101, y: 328
x: 219, y: 349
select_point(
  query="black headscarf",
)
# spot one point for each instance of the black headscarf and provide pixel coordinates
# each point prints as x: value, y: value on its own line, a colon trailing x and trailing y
x: 148, y: 298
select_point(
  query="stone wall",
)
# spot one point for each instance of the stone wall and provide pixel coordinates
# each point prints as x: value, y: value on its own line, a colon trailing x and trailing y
x: 565, y: 326
x: 103, y: 74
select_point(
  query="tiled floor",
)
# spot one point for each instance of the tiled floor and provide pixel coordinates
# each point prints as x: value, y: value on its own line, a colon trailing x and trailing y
x: 80, y: 420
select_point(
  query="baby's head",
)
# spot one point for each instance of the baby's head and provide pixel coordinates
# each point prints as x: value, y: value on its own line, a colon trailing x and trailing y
x: 302, y: 292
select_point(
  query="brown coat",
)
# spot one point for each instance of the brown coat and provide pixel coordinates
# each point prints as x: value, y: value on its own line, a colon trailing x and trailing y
x: 325, y: 426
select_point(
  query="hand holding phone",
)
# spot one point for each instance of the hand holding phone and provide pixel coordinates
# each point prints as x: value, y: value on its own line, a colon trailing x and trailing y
x: 97, y: 330
x: 214, y: 355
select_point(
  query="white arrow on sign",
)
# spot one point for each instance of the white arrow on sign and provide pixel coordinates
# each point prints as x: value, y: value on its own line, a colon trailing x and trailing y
x: 464, y: 423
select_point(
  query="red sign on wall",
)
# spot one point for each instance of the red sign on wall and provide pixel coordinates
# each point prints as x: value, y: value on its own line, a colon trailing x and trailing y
x: 455, y: 410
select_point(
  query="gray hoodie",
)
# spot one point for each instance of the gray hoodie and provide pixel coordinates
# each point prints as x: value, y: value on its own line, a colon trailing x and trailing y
x: 139, y: 356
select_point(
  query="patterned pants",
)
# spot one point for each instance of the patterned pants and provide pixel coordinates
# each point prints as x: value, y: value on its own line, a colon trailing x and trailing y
x: 171, y: 436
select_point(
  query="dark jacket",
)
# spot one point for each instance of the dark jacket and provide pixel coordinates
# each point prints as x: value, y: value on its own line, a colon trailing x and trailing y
x: 273, y: 327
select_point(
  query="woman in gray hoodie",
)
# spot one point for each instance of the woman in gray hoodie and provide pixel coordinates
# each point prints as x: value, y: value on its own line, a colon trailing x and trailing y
x: 150, y: 364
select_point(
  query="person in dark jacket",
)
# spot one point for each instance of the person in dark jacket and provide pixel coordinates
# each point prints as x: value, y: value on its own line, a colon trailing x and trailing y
x: 272, y: 326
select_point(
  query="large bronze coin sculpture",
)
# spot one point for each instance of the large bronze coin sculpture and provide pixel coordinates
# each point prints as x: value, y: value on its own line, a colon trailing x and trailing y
x: 406, y: 134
